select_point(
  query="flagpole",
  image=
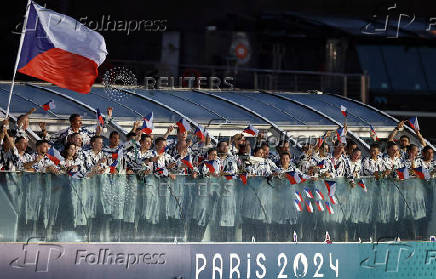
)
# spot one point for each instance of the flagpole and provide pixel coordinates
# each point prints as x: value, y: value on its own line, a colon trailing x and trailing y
x: 23, y: 33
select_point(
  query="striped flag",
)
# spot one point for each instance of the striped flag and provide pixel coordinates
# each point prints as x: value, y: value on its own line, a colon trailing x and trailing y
x: 344, y: 111
x: 372, y: 133
x: 422, y: 173
x: 113, y: 166
x: 243, y: 178
x: 293, y: 177
x: 49, y: 105
x: 147, y: 124
x: 183, y: 125
x: 188, y: 161
x: 200, y: 133
x: 340, y: 135
x: 298, y: 196
x: 212, y: 165
x: 362, y: 184
x: 331, y: 187
x: 333, y: 200
x: 319, y: 205
x: 54, y: 155
x: 100, y: 119
x: 251, y: 130
x: 403, y: 173
x: 414, y: 123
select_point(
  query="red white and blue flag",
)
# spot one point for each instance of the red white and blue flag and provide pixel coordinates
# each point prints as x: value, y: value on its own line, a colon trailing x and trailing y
x: 298, y: 205
x: 251, y: 130
x: 188, y: 162
x: 113, y: 166
x: 117, y: 154
x: 319, y: 205
x: 319, y: 194
x: 333, y: 200
x: 414, y: 123
x: 230, y: 176
x: 304, y: 177
x: 212, y: 165
x: 344, y: 111
x: 329, y: 208
x: 147, y: 124
x: 183, y: 125
x: 331, y: 187
x: 298, y: 196
x: 58, y: 49
x: 403, y: 173
x: 361, y: 183
x: 54, y: 155
x: 321, y: 164
x: 309, y: 207
x: 308, y: 193
x: 200, y: 133
x: 293, y: 177
x: 49, y: 105
x: 340, y: 135
x: 100, y: 119
x: 372, y: 133
x: 422, y: 173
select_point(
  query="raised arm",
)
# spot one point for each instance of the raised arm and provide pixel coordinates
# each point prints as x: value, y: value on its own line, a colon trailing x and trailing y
x: 394, y: 132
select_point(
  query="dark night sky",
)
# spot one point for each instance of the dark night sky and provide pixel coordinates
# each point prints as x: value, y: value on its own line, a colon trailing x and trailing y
x: 186, y: 15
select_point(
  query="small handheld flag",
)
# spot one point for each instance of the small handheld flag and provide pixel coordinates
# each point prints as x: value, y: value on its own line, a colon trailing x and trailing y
x: 200, y: 133
x: 243, y: 178
x: 251, y: 130
x: 304, y: 177
x: 211, y: 165
x: 340, y: 135
x: 331, y: 187
x: 183, y: 125
x: 54, y: 155
x: 293, y: 177
x: 414, y: 123
x: 333, y: 200
x: 100, y: 119
x: 362, y: 184
x: 422, y: 173
x: 403, y: 173
x: 344, y: 111
x: 147, y: 124
x: 188, y: 162
x: 298, y: 196
x: 113, y: 166
x: 372, y: 133
x: 49, y: 105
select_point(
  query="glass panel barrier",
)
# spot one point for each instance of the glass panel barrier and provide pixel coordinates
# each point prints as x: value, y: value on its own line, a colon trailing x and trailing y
x: 151, y: 209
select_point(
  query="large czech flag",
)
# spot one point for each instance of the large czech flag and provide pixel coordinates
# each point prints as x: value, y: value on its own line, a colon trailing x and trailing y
x: 58, y: 49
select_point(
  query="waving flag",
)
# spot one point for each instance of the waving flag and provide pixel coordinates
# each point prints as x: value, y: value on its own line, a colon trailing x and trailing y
x: 308, y: 193
x: 243, y: 178
x: 319, y: 194
x: 100, y: 119
x: 147, y: 124
x: 340, y: 135
x: 188, y: 161
x: 251, y: 130
x: 329, y: 208
x: 293, y: 177
x: 422, y: 173
x: 362, y: 184
x: 113, y: 166
x: 319, y: 205
x: 58, y: 49
x: 212, y: 165
x: 414, y: 123
x: 298, y: 205
x: 309, y: 207
x: 403, y: 173
x: 183, y: 125
x: 298, y: 196
x: 344, y: 111
x: 200, y: 133
x: 54, y: 155
x: 49, y: 106
x: 331, y: 187
x: 372, y: 133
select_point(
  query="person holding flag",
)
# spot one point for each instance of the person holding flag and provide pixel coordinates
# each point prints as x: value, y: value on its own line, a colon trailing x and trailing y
x: 40, y: 161
x: 71, y: 163
x: 392, y: 160
x: 404, y: 140
x: 353, y: 166
x: 161, y: 160
x: 95, y: 160
x: 76, y: 127
x: 426, y: 161
x: 211, y: 166
x: 374, y: 164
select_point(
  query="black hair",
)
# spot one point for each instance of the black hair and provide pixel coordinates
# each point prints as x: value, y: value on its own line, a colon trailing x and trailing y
x: 73, y: 116
x: 257, y: 149
x: 158, y: 140
x: 426, y: 148
x: 40, y: 142
x: 131, y: 134
x: 391, y: 144
x: 375, y: 145
x: 94, y: 138
x: 113, y: 133
x: 211, y: 150
x: 144, y: 136
x: 405, y: 136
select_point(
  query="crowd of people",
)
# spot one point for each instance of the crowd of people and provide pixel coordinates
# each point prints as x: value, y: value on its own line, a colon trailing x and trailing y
x: 82, y: 153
